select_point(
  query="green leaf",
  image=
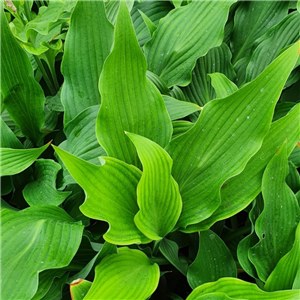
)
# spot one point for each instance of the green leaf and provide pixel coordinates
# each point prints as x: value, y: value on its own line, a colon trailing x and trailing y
x: 81, y: 139
x: 22, y: 95
x: 34, y: 239
x: 180, y: 127
x: 227, y: 134
x: 43, y: 189
x: 173, y: 58
x: 276, y: 225
x: 240, y: 290
x: 269, y: 45
x: 295, y: 155
x: 238, y: 192
x: 111, y: 195
x: 169, y: 249
x: 82, y: 64
x: 179, y: 109
x: 142, y: 110
x: 14, y: 161
x: 284, y: 275
x: 222, y: 85
x: 150, y: 25
x: 293, y: 178
x: 217, y: 59
x: 8, y: 139
x: 127, y: 275
x: 158, y: 194
x: 79, y: 288
x: 213, y: 261
x: 281, y: 109
x: 251, y: 21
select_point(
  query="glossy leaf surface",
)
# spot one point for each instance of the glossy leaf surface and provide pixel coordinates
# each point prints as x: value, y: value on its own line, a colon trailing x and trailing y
x: 126, y: 275
x: 34, y: 239
x: 130, y: 101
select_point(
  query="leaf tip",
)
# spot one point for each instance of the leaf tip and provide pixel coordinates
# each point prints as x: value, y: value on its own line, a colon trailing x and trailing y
x: 76, y: 282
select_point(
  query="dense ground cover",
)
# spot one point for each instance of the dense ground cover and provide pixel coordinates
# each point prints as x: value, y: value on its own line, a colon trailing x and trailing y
x: 149, y: 150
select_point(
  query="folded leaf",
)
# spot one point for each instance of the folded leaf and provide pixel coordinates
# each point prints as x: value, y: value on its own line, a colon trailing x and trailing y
x: 227, y: 134
x: 239, y: 290
x: 158, y: 194
x: 33, y: 240
x: 276, y: 225
x: 111, y: 195
x: 14, y: 161
x: 174, y: 57
x: 43, y: 189
x: 222, y: 85
x: 79, y: 288
x: 213, y: 261
x: 130, y: 101
x: 23, y: 97
x: 285, y: 274
x: 127, y: 275
x: 82, y: 64
x: 238, y: 192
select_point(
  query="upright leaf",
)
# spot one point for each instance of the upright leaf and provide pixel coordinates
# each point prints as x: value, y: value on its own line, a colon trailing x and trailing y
x: 111, y: 195
x: 14, y: 161
x: 213, y: 261
x: 227, y: 134
x: 284, y: 276
x: 157, y: 192
x: 276, y: 225
x: 82, y: 63
x: 43, y: 189
x: 33, y: 240
x: 79, y: 288
x: 8, y: 138
x: 171, y: 54
x: 126, y: 275
x: 22, y: 95
x: 239, y: 290
x: 129, y: 100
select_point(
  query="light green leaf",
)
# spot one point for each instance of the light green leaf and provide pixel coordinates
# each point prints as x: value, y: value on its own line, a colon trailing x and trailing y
x: 150, y: 25
x: 111, y: 195
x: 82, y: 64
x: 227, y: 134
x: 22, y: 95
x: 43, y: 189
x: 276, y: 225
x: 179, y: 109
x: 217, y: 59
x: 127, y: 275
x: 124, y: 81
x: 252, y: 20
x: 81, y: 139
x: 14, y: 161
x: 173, y: 58
x: 170, y: 251
x: 284, y: 275
x: 222, y: 85
x: 238, y: 192
x: 239, y: 290
x: 157, y: 192
x: 79, y: 288
x: 154, y: 11
x: 213, y: 261
x: 180, y: 127
x: 33, y: 240
x: 269, y: 45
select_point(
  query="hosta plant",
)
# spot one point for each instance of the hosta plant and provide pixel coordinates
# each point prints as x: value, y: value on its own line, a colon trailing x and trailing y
x: 149, y: 150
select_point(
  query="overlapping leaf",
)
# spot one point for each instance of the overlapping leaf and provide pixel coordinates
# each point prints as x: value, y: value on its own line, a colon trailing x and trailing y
x: 79, y: 288
x: 22, y: 95
x: 213, y: 261
x: 222, y: 85
x: 14, y: 161
x: 173, y: 58
x: 238, y: 192
x: 43, y: 189
x: 240, y: 290
x: 227, y: 134
x: 276, y: 225
x: 82, y: 64
x: 126, y: 275
x: 111, y: 195
x: 158, y: 194
x: 33, y: 240
x: 129, y: 100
